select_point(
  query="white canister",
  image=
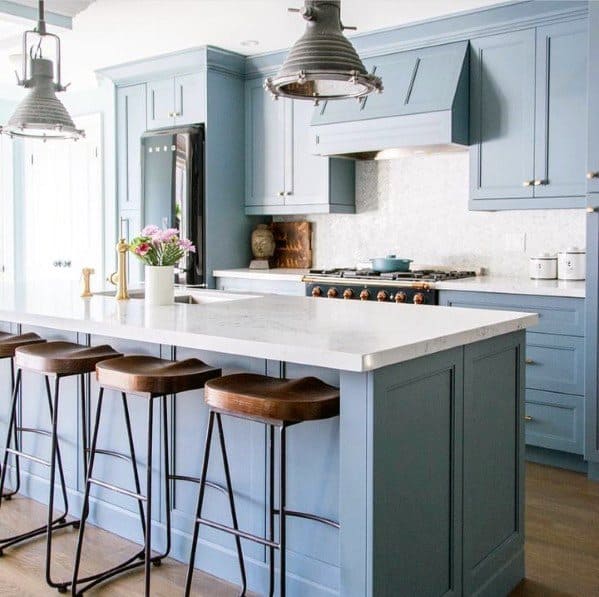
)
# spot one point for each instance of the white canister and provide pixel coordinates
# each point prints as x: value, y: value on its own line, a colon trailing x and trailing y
x: 571, y: 264
x: 543, y: 267
x: 159, y: 285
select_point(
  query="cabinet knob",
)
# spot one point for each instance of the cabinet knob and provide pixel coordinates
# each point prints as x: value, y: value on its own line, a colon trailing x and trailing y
x: 528, y: 418
x: 528, y: 183
x: 591, y: 210
x: 591, y: 175
x: 287, y: 193
x: 539, y: 182
x: 281, y: 194
x: 529, y: 361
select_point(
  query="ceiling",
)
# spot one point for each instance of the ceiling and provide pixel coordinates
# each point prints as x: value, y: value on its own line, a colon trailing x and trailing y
x: 108, y: 32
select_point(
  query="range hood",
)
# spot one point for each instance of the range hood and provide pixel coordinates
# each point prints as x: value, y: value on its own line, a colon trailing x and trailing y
x: 424, y: 108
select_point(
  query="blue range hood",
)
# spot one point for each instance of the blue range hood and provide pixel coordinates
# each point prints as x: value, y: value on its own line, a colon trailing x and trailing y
x: 424, y: 108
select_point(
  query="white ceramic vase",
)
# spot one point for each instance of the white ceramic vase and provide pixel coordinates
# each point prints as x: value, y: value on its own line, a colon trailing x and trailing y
x: 159, y: 285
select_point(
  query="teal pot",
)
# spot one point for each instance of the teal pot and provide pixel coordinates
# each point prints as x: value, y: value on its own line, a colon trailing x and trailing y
x: 391, y: 263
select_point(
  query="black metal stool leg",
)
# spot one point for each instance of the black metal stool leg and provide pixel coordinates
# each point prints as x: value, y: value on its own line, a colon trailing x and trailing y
x: 148, y: 554
x: 85, y: 509
x: 12, y: 424
x: 84, y: 423
x: 282, y: 506
x: 223, y: 450
x: 167, y: 479
x: 271, y: 509
x: 17, y: 438
x: 196, y: 526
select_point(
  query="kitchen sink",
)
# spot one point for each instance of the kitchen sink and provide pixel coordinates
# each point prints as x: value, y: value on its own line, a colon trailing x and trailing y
x: 191, y: 297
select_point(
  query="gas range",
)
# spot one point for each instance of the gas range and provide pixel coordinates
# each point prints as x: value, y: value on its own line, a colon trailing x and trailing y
x: 416, y: 287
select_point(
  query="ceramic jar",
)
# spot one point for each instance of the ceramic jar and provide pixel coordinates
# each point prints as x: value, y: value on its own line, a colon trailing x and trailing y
x: 159, y: 285
x: 263, y: 242
x: 571, y: 264
x: 543, y: 267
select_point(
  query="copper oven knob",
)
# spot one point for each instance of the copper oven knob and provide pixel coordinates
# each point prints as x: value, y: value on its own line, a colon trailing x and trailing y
x: 364, y: 295
x: 382, y: 296
x: 332, y: 293
x: 317, y: 291
x: 418, y: 298
x: 401, y: 297
x: 348, y: 293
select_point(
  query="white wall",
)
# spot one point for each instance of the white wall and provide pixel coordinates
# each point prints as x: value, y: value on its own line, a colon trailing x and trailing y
x: 417, y: 207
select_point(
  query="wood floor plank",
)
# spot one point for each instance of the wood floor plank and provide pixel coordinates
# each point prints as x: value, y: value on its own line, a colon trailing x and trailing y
x: 562, y: 548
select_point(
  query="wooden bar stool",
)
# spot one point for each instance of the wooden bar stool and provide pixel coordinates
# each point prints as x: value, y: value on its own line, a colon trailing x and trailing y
x: 276, y: 403
x: 8, y: 344
x: 57, y: 360
x: 151, y: 378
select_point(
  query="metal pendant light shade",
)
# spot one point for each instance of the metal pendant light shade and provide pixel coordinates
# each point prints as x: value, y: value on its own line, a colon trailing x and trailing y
x: 41, y: 114
x: 323, y: 64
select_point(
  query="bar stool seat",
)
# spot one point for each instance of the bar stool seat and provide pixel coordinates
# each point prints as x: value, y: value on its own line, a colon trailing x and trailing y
x: 10, y: 342
x: 151, y: 375
x: 62, y: 358
x: 272, y: 399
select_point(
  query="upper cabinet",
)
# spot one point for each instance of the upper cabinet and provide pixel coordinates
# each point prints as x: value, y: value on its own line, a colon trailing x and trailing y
x: 528, y: 118
x: 593, y: 107
x: 282, y: 175
x: 131, y: 124
x: 176, y: 101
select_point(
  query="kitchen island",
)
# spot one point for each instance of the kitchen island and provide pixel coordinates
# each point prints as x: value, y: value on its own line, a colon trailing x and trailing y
x: 423, y: 469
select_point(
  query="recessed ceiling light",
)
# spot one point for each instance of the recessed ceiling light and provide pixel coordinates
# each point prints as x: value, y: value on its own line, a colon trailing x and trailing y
x: 250, y: 43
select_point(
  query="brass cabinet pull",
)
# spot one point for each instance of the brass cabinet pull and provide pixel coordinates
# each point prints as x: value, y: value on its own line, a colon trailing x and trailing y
x: 539, y: 182
x: 591, y: 210
x: 287, y: 193
x: 528, y: 183
x: 527, y: 418
x: 529, y: 361
x: 591, y: 175
x: 281, y: 194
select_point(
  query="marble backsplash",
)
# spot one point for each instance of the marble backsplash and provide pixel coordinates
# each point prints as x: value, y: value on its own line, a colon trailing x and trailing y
x: 417, y: 207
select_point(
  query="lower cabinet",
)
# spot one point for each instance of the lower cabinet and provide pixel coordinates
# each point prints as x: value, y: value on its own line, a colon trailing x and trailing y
x: 555, y: 357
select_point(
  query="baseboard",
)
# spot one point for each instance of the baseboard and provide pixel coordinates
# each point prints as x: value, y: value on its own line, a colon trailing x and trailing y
x: 212, y: 558
x: 506, y: 578
x: 572, y: 462
x: 593, y: 473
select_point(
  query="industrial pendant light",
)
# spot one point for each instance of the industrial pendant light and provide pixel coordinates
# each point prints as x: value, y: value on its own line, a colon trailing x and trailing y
x: 41, y: 114
x: 323, y: 64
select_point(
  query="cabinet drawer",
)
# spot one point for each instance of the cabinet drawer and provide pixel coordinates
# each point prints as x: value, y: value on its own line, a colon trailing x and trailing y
x: 555, y: 363
x: 557, y: 315
x: 556, y: 421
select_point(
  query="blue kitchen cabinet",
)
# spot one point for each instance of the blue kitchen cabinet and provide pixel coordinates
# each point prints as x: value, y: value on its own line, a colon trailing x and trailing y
x: 282, y: 174
x: 176, y: 101
x: 593, y: 107
x: 502, y: 108
x: 561, y: 107
x: 555, y: 359
x: 528, y: 94
x: 131, y: 124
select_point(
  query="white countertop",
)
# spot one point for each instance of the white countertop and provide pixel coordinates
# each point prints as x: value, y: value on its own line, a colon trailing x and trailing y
x: 516, y: 286
x: 345, y: 335
x: 499, y: 284
x: 281, y: 274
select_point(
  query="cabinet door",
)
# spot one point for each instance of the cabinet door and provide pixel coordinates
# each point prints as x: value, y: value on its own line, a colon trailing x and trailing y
x: 306, y: 175
x: 593, y: 107
x: 265, y: 147
x: 502, y: 116
x: 161, y: 103
x: 190, y: 98
x: 131, y: 124
x: 561, y: 107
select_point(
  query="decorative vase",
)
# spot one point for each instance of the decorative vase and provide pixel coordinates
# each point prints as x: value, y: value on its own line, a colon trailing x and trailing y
x: 159, y: 285
x: 263, y: 247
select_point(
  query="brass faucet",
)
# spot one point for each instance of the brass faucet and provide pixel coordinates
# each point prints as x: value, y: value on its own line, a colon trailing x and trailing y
x: 119, y: 278
x: 86, y: 272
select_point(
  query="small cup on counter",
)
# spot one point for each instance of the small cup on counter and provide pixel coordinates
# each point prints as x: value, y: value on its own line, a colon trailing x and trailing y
x: 543, y: 267
x: 571, y: 264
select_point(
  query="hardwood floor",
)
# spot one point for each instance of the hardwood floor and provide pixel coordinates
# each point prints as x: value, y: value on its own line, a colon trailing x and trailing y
x: 562, y: 548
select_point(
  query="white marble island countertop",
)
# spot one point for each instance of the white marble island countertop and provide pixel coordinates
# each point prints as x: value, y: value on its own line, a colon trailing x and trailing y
x: 345, y: 335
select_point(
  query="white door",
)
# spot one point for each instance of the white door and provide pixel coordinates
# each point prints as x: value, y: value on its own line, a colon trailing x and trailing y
x: 60, y: 221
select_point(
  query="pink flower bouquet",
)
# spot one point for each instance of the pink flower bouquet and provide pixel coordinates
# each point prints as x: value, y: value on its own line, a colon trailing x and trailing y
x: 158, y: 246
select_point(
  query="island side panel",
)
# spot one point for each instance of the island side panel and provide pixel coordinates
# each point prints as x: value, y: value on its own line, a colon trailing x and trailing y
x: 494, y: 465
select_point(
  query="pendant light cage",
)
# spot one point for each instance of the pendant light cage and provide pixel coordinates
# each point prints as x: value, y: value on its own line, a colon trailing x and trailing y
x: 323, y: 64
x: 41, y: 114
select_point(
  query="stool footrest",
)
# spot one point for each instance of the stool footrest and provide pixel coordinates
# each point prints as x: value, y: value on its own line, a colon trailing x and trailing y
x: 112, y: 453
x: 309, y: 516
x: 35, y: 430
x: 117, y: 489
x: 27, y: 456
x: 198, y: 480
x: 243, y: 534
x: 58, y: 523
